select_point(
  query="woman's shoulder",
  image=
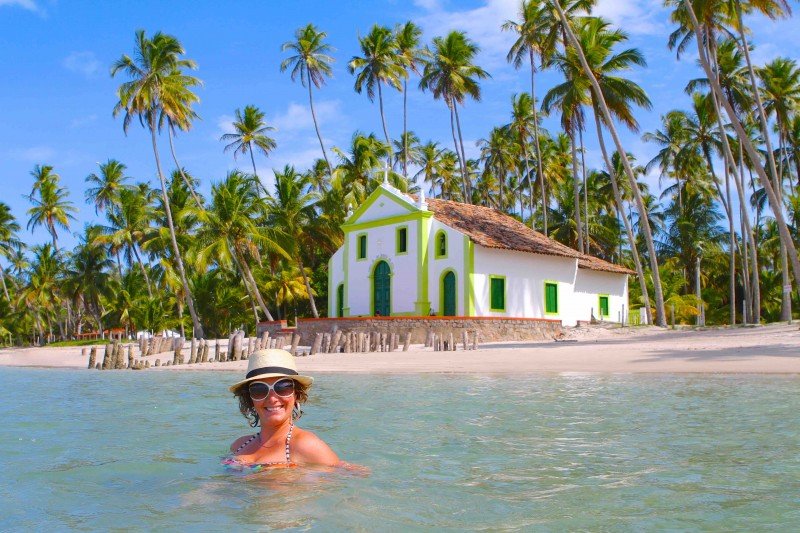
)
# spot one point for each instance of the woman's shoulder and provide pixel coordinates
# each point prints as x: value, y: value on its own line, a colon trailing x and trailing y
x: 241, y: 441
x: 308, y: 448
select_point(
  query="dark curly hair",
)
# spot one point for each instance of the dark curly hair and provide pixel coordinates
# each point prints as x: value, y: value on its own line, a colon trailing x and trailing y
x: 249, y: 412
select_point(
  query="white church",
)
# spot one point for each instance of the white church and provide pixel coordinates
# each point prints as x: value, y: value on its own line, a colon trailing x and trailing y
x: 407, y: 256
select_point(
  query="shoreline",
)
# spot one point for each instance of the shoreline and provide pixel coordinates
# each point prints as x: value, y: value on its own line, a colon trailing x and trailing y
x: 772, y: 349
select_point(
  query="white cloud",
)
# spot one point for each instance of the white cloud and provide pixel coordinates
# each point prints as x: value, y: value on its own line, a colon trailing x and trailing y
x: 298, y: 117
x: 82, y: 62
x: 637, y: 17
x: 225, y: 124
x: 34, y: 154
x: 30, y: 5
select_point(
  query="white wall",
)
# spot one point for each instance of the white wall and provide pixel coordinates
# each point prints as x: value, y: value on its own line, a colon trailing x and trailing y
x: 386, y: 206
x: 381, y: 244
x: 590, y: 284
x: 525, y: 276
x: 454, y: 261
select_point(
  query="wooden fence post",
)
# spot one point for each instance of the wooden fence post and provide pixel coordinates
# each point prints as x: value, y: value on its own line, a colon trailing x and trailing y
x: 92, y: 357
x: 407, y: 341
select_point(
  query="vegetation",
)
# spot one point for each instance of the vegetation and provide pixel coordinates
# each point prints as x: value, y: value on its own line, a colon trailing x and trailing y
x: 717, y: 245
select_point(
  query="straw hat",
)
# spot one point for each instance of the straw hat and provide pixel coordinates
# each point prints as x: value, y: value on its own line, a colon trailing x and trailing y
x: 273, y: 363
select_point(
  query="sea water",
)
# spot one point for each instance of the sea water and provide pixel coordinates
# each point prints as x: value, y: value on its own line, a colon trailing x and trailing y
x: 87, y: 450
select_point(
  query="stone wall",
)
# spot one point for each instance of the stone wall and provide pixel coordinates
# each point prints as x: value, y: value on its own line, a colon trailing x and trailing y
x: 491, y: 329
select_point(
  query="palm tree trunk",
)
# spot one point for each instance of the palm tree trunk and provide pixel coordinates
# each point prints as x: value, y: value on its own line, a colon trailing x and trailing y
x: 405, y: 128
x: 460, y: 158
x: 576, y: 193
x: 255, y: 172
x: 237, y: 263
x: 628, y: 229
x: 752, y: 153
x: 248, y: 274
x: 467, y: 182
x: 524, y: 144
x: 144, y: 270
x: 585, y: 191
x: 3, y: 279
x: 732, y: 252
x: 198, y: 328
x: 536, y: 146
x: 308, y: 287
x: 383, y: 122
x: 180, y: 169
x: 316, y: 127
x: 644, y: 219
x: 755, y: 275
x: 180, y: 318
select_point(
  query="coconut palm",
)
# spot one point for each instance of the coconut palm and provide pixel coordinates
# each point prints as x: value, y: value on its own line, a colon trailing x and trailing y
x: 451, y: 75
x: 499, y: 158
x: 291, y: 209
x: 407, y: 149
x: 143, y: 97
x: 429, y: 161
x: 411, y: 57
x: 8, y: 241
x: 380, y: 64
x: 312, y: 64
x: 87, y: 274
x: 251, y: 134
x: 106, y: 185
x: 521, y: 126
x: 51, y: 207
x: 357, y: 166
x: 534, y: 20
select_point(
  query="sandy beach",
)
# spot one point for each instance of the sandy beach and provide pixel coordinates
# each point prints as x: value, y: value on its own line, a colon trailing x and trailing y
x: 773, y: 349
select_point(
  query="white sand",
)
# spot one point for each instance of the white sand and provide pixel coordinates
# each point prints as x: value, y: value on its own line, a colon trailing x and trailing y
x: 768, y: 349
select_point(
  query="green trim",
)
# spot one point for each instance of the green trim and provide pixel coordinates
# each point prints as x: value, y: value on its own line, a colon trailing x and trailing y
x: 358, y: 246
x: 380, y: 192
x: 544, y: 300
x: 372, y: 285
x: 331, y: 299
x: 339, y: 301
x: 346, y: 260
x: 469, y: 277
x: 600, y: 307
x: 348, y: 228
x: 505, y: 293
x: 441, y: 290
x: 436, y: 253
x: 397, y: 240
x: 423, y: 304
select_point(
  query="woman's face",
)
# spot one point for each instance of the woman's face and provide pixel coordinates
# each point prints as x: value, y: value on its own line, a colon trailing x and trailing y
x: 275, y: 409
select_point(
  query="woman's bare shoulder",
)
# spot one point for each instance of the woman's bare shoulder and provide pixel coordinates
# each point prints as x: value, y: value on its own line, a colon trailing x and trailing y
x: 308, y: 448
x: 238, y: 442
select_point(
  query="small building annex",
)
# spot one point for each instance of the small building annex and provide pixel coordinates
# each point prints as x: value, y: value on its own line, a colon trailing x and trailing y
x: 405, y: 256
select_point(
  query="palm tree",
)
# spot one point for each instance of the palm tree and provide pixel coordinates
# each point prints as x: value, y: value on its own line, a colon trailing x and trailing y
x: 8, y: 240
x: 87, y: 274
x: 429, y: 162
x: 411, y: 57
x: 522, y: 119
x: 602, y: 105
x: 356, y: 168
x: 531, y: 27
x: 291, y: 209
x: 230, y: 233
x: 106, y: 185
x: 498, y: 155
x: 701, y: 37
x: 176, y: 111
x: 312, y: 64
x: 380, y: 64
x: 407, y: 150
x: 251, y: 133
x: 143, y: 97
x: 451, y: 75
x: 51, y: 207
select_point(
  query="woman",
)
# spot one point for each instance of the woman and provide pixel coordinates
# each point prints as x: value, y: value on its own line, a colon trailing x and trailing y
x: 270, y: 396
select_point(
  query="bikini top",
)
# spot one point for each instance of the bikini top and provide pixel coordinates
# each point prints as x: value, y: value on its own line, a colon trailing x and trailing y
x: 236, y: 464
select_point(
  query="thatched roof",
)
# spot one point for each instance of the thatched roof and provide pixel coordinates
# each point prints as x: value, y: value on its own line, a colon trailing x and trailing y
x: 493, y: 229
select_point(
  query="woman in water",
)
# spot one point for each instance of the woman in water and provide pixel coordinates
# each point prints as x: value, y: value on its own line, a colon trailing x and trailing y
x: 270, y: 396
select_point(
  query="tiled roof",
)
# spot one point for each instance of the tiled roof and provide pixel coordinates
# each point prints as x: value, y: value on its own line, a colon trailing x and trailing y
x: 492, y: 229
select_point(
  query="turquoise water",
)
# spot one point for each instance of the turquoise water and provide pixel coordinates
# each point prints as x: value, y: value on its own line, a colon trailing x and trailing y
x: 140, y: 450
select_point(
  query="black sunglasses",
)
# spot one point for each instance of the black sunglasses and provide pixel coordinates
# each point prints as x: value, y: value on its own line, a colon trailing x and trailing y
x: 259, y: 390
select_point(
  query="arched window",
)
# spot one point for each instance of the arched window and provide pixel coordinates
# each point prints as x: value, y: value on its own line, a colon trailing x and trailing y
x: 440, y: 243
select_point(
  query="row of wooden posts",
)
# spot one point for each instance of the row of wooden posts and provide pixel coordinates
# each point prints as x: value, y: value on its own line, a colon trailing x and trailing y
x: 240, y: 347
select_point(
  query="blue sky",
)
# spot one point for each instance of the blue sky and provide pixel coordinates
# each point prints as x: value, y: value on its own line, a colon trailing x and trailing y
x: 56, y: 94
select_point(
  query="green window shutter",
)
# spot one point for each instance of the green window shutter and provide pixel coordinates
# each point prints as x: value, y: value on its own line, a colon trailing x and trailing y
x: 442, y: 244
x: 402, y: 240
x: 604, y: 306
x: 498, y: 294
x: 551, y: 298
x: 362, y: 246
